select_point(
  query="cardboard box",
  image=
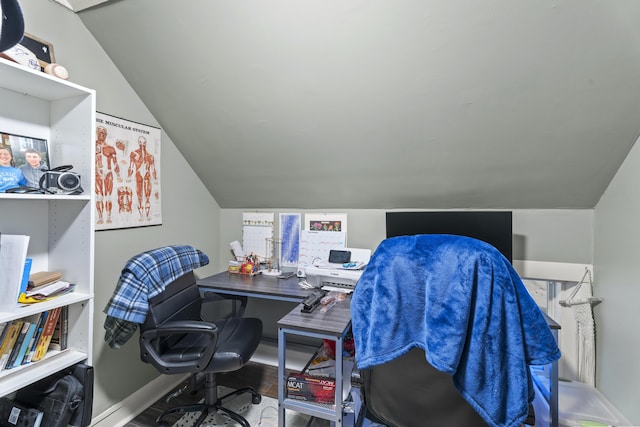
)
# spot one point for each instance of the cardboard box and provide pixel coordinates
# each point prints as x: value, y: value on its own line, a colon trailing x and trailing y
x: 311, y: 388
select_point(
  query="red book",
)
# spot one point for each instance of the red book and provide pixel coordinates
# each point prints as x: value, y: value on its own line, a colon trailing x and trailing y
x: 47, y: 332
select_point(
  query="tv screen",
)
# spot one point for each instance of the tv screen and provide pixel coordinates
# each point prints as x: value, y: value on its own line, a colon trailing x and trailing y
x: 493, y: 227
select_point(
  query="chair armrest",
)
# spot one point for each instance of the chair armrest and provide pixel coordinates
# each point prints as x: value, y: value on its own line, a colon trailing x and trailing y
x: 184, y: 327
x: 149, y: 345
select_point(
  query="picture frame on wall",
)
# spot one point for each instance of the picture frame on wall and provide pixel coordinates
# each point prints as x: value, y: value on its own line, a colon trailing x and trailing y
x: 127, y: 188
x: 42, y: 49
x: 29, y: 154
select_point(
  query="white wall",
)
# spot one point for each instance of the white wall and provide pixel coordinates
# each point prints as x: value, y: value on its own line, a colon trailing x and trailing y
x: 190, y: 214
x: 617, y: 279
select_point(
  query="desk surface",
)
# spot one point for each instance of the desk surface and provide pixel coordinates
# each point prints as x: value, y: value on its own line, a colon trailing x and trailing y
x: 334, y: 322
x: 257, y: 286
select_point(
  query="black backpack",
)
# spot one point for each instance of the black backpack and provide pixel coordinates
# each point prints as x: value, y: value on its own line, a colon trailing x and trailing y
x: 63, y: 398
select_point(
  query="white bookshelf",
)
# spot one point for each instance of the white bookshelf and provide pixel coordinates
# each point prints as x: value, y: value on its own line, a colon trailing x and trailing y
x: 61, y: 227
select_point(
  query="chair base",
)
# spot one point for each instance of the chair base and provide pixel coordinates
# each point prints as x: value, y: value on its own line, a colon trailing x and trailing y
x: 209, y: 408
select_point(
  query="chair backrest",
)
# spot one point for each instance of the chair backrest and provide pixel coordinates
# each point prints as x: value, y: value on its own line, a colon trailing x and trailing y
x: 461, y: 303
x: 179, y: 301
x: 408, y: 392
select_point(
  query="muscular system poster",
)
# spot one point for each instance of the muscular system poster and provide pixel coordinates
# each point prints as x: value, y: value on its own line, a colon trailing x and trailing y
x: 127, y: 185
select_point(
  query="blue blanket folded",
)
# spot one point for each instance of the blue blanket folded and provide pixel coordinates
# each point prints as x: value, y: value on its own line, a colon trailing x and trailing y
x: 462, y: 302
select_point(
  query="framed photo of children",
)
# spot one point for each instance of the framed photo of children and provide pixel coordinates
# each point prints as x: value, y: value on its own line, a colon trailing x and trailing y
x: 23, y: 160
x: 128, y: 192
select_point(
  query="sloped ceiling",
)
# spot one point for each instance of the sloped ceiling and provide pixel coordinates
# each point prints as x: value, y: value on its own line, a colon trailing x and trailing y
x: 428, y: 104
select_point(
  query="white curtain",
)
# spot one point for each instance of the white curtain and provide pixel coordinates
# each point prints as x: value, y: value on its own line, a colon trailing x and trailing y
x: 581, y: 302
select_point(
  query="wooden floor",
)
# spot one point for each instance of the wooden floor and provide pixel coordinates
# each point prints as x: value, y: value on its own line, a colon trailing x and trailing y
x: 263, y: 378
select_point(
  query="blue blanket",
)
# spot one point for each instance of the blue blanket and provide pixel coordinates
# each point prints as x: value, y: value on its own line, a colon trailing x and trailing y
x: 143, y: 277
x: 462, y: 302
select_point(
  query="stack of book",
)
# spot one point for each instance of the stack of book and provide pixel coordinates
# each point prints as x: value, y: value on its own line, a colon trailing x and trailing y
x: 17, y: 284
x: 42, y: 286
x: 27, y: 340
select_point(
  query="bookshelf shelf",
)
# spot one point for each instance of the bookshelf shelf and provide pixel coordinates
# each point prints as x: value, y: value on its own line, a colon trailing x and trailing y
x: 60, y: 227
x: 28, y: 310
x: 55, y: 361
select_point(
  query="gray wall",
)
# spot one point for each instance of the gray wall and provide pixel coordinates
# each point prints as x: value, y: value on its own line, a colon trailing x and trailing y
x: 539, y: 235
x: 557, y: 235
x: 189, y: 213
x: 617, y: 276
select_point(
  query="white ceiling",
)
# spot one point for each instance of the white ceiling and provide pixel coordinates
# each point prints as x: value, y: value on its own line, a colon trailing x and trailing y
x: 387, y: 104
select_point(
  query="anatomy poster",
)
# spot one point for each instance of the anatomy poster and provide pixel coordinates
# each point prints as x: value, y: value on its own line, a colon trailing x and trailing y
x: 127, y: 174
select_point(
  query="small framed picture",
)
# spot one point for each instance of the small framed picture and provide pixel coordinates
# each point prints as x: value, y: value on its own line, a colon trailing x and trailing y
x: 29, y: 155
x: 43, y: 50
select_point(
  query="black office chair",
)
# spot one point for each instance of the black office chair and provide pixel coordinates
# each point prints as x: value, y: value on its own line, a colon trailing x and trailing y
x: 445, y: 332
x: 175, y: 340
x: 385, y: 391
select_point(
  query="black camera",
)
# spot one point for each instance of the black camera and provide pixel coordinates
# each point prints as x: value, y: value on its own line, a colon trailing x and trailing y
x: 61, y: 181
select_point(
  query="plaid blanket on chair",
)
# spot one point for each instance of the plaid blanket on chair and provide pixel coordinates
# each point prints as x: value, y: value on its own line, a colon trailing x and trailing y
x: 144, y: 276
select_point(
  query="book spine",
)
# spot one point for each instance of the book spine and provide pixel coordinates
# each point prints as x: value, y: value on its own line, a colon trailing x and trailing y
x: 36, y: 337
x: 25, y: 344
x: 64, y: 328
x: 47, y: 332
x: 8, y: 342
x: 60, y: 334
x: 25, y: 277
x: 4, y: 327
x: 16, y: 347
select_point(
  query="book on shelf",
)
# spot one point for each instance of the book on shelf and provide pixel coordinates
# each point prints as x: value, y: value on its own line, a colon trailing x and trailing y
x: 25, y: 277
x: 13, y: 330
x: 34, y: 341
x: 42, y: 278
x: 24, y: 327
x: 24, y: 346
x: 49, y: 290
x: 59, y: 339
x: 14, y: 414
x: 12, y: 266
x: 46, y: 291
x: 3, y: 331
x: 311, y: 388
x: 47, y: 332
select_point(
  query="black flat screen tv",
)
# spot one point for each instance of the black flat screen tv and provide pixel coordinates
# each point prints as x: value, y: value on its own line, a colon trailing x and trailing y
x: 493, y: 227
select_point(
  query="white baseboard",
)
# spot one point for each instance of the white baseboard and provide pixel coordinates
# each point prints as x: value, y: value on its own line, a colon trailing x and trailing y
x: 126, y: 410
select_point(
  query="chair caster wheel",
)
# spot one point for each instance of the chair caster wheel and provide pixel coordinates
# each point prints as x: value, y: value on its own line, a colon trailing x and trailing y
x: 256, y: 399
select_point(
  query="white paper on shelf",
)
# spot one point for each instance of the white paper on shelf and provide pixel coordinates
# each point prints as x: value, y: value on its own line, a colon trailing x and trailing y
x: 13, y: 253
x: 49, y: 289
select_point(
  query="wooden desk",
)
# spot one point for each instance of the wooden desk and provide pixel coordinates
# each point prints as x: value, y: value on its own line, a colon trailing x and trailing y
x: 257, y: 286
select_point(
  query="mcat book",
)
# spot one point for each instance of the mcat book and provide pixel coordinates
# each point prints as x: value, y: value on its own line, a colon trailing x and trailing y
x: 311, y: 389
